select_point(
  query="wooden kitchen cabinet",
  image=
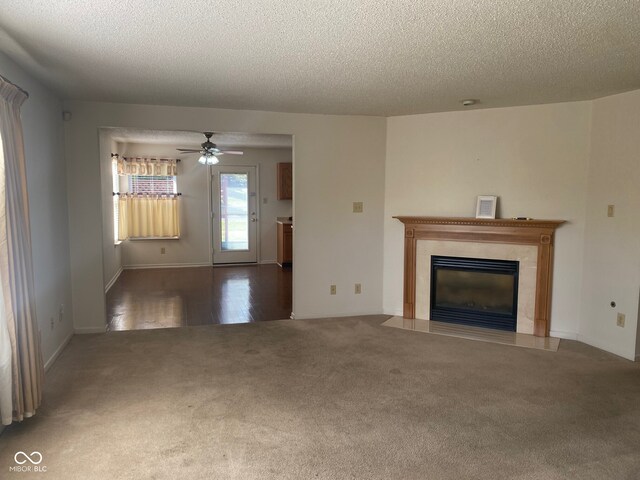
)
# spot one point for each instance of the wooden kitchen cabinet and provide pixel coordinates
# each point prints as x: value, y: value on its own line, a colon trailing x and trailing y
x: 285, y: 244
x: 285, y: 181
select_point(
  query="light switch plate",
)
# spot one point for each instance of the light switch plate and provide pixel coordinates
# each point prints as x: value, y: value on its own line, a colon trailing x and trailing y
x: 611, y: 210
x: 358, y: 207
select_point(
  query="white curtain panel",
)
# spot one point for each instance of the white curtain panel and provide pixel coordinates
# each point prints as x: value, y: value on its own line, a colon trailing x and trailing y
x: 6, y: 403
x: 16, y: 269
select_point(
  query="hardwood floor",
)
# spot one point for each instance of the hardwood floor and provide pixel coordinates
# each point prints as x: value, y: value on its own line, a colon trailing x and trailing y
x: 177, y: 297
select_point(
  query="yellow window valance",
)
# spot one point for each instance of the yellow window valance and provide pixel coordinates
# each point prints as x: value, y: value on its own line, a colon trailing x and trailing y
x: 147, y: 166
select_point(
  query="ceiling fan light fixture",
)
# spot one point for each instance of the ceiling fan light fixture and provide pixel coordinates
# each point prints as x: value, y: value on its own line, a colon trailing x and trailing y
x: 208, y: 159
x: 208, y: 151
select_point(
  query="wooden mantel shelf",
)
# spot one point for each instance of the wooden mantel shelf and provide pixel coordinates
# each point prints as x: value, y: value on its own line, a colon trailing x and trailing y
x: 488, y: 222
x: 481, y: 230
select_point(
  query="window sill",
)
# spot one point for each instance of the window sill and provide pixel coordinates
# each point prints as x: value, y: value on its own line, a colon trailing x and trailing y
x: 117, y: 243
x: 140, y: 239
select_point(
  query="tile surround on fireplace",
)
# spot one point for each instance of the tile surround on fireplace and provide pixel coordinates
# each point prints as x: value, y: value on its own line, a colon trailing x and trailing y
x: 526, y: 255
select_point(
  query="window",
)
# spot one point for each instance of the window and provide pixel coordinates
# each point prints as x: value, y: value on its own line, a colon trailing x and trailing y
x: 153, y: 185
x: 148, y: 208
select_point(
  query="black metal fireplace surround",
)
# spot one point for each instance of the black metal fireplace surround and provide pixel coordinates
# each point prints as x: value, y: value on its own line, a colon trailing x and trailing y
x: 475, y: 291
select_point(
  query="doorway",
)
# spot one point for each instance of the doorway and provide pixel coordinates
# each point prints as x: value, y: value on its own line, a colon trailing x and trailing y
x: 234, y: 213
x: 159, y: 283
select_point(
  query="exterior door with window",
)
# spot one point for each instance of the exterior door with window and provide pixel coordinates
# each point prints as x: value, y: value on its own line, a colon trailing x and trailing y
x: 235, y: 218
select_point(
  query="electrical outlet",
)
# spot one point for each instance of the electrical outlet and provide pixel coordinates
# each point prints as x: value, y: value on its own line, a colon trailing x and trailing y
x: 358, y: 207
x: 53, y: 324
x: 358, y: 289
x: 620, y: 320
x: 611, y: 210
x: 332, y: 290
x: 163, y: 251
x: 265, y: 200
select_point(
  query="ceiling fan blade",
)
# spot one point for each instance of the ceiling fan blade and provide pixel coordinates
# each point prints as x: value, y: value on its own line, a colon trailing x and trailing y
x: 187, y: 150
x: 231, y: 152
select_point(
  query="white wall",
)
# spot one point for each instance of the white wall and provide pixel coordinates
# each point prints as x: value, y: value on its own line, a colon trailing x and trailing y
x: 111, y: 253
x: 337, y: 160
x: 46, y: 183
x: 612, y: 245
x: 534, y: 158
x: 193, y: 247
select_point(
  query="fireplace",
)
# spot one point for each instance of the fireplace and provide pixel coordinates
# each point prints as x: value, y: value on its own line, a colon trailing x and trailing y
x: 530, y: 242
x: 474, y: 291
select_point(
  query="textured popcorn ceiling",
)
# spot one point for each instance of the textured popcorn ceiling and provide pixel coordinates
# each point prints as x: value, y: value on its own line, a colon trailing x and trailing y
x: 372, y: 57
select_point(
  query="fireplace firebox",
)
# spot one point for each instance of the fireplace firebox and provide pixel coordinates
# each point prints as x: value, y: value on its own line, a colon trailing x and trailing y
x: 475, y: 291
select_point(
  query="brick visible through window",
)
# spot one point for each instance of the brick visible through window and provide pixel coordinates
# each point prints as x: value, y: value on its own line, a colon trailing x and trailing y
x: 155, y: 185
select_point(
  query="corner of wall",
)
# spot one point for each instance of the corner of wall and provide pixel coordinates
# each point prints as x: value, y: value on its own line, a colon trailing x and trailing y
x: 611, y: 241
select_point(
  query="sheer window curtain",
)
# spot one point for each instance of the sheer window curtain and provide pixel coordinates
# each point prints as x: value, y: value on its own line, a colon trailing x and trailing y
x: 6, y: 402
x: 17, y: 312
x: 150, y: 216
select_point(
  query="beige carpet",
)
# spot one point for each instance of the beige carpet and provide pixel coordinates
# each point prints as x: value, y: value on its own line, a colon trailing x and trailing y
x: 329, y: 399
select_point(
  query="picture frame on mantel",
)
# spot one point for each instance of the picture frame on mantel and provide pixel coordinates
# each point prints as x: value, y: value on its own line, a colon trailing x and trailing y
x: 486, y: 206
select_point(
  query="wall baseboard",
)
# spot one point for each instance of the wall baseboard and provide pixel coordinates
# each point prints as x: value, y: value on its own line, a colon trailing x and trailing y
x: 57, y: 353
x: 268, y: 262
x: 165, y: 265
x: 614, y: 349
x: 336, y: 315
x: 86, y: 330
x: 564, y: 335
x: 113, y: 280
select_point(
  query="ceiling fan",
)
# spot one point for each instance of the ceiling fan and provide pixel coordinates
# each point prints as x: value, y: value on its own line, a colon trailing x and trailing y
x: 209, y: 152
